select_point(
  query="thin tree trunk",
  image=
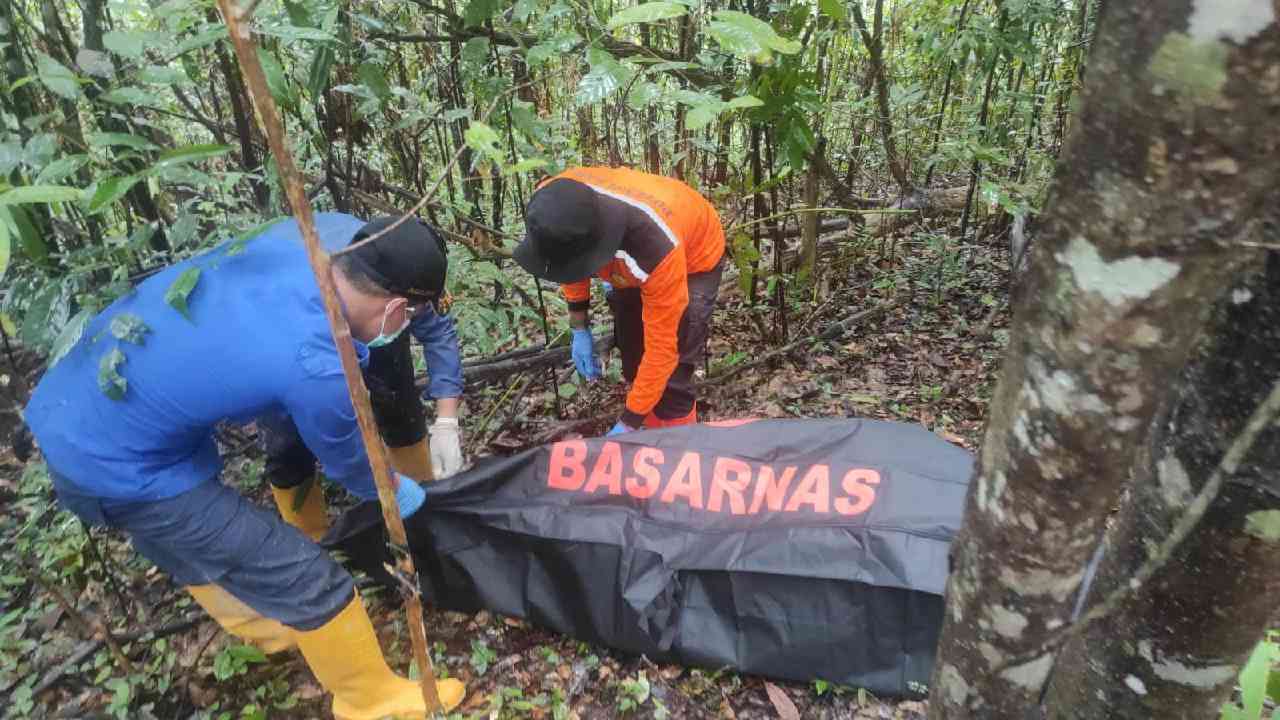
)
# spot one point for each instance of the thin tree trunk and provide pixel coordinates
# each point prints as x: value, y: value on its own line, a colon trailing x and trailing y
x: 241, y: 114
x: 1129, y: 269
x: 976, y: 171
x: 897, y: 166
x: 946, y: 97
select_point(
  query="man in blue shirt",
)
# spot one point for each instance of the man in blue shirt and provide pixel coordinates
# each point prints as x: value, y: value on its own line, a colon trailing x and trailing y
x: 389, y: 375
x: 126, y: 423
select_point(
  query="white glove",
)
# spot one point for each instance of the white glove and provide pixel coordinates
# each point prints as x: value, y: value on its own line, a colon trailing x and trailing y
x: 446, y: 447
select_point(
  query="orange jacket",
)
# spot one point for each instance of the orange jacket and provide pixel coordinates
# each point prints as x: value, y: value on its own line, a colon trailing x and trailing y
x: 671, y: 233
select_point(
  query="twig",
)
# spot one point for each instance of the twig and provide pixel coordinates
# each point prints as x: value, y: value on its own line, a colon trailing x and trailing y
x: 94, y: 628
x: 90, y: 647
x: 484, y: 422
x: 1263, y: 416
x: 251, y: 68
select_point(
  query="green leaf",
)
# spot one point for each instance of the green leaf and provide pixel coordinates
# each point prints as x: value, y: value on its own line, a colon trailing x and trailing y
x: 129, y: 328
x: 110, y: 381
x: 478, y: 11
x: 596, y: 86
x: 133, y: 96
x: 132, y: 45
x: 375, y: 79
x: 1253, y: 679
x: 277, y: 82
x: 318, y: 75
x: 746, y: 36
x: 208, y: 36
x: 101, y: 139
x: 526, y: 165
x: 540, y: 53
x: 484, y: 140
x: 298, y: 14
x: 834, y: 9
x: 700, y: 116
x: 46, y: 315
x: 746, y: 101
x: 647, y: 13
x: 61, y: 168
x: 293, y: 32
x: 70, y: 335
x: 190, y: 154
x: 110, y: 190
x: 33, y: 243
x: 236, y: 246
x: 180, y: 290
x: 476, y: 50
x: 39, y: 194
x: 568, y: 390
x: 57, y: 77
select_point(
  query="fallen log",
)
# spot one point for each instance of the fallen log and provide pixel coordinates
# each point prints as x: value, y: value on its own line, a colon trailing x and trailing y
x: 520, y: 361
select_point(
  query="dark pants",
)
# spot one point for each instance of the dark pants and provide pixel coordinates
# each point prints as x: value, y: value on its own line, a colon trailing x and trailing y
x: 213, y: 534
x: 397, y: 407
x: 679, y: 398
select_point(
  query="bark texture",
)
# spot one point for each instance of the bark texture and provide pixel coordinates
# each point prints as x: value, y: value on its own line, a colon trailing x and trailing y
x: 1153, y: 207
x: 1192, y: 626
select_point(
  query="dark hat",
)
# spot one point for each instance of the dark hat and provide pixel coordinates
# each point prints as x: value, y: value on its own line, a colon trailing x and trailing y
x: 567, y: 239
x: 410, y: 261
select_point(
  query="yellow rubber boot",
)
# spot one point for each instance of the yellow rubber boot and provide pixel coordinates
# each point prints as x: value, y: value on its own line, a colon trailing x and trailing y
x: 413, y: 460
x: 346, y: 659
x: 240, y: 620
x: 304, y: 507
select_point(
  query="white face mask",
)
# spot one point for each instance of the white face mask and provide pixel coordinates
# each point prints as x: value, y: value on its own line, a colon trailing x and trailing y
x: 383, y: 338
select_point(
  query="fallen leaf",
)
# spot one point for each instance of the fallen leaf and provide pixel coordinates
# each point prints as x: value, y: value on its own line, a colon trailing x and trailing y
x: 513, y: 622
x: 726, y: 710
x: 201, y: 697
x: 781, y: 702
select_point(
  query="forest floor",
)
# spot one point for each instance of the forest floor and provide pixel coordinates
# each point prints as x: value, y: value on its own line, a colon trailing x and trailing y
x: 930, y: 357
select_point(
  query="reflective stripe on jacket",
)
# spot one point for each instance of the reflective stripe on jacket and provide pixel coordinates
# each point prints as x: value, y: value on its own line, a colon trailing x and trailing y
x: 671, y: 232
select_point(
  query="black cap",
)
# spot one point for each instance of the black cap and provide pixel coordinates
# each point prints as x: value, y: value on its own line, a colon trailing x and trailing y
x: 566, y: 238
x: 410, y: 261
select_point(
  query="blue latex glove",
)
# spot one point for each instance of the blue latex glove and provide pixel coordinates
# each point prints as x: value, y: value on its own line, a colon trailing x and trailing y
x: 584, y: 354
x: 409, y: 495
x: 618, y: 429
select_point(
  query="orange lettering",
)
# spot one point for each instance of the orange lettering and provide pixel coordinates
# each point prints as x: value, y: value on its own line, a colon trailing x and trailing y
x: 775, y: 489
x: 608, y: 470
x: 646, y: 458
x: 721, y: 485
x: 686, y: 481
x: 815, y: 490
x: 567, y: 468
x: 855, y: 483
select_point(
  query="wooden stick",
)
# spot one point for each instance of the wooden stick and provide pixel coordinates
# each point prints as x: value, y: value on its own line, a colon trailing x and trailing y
x: 237, y: 20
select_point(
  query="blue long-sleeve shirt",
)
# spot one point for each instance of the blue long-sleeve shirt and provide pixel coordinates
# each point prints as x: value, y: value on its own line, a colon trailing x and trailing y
x: 256, y: 342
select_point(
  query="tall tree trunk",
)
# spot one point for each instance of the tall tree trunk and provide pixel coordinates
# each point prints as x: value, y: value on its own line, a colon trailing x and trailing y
x: 976, y: 171
x: 1151, y: 210
x: 241, y: 112
x: 874, y: 40
x: 1193, y: 625
x: 946, y: 97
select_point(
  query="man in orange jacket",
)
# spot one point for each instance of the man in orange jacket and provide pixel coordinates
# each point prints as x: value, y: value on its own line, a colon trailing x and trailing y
x: 659, y: 248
